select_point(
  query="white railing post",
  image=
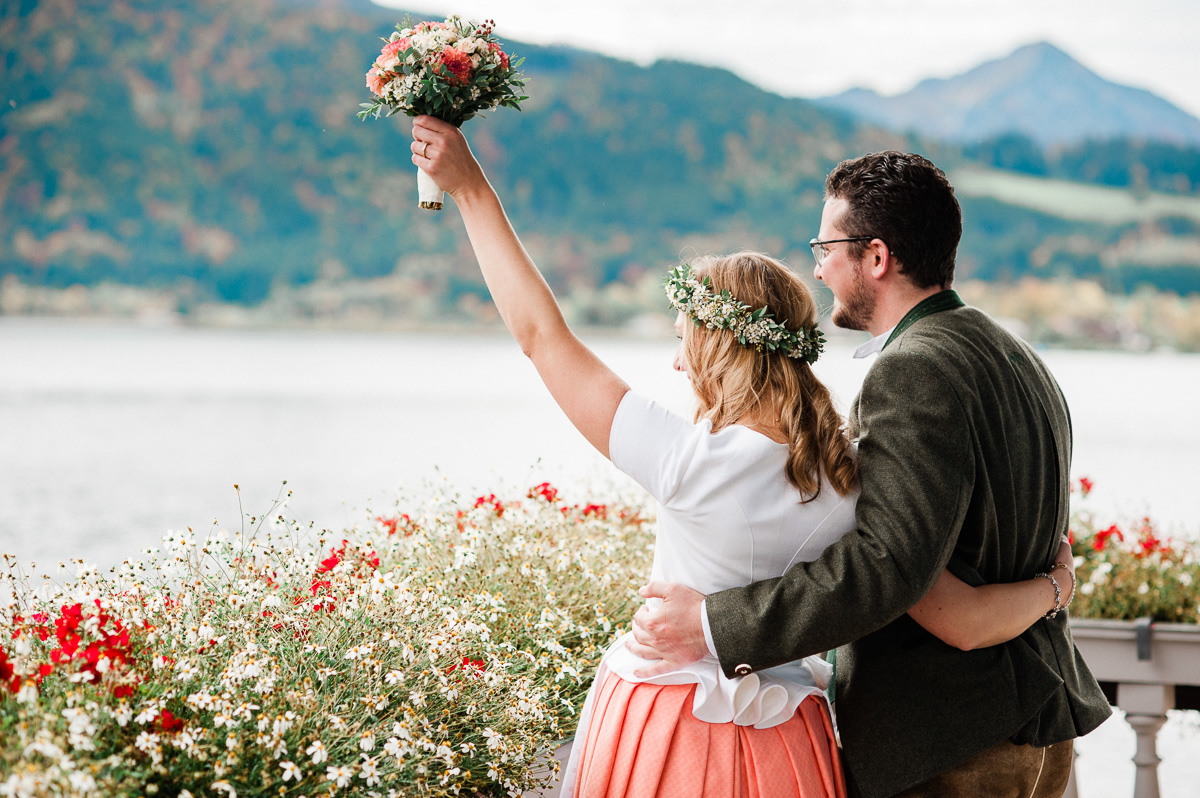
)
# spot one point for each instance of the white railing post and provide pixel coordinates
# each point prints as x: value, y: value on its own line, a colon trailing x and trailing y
x: 1146, y: 660
x: 1146, y: 708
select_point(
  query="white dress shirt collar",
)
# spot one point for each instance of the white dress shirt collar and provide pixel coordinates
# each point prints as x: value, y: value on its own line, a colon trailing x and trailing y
x: 874, y: 346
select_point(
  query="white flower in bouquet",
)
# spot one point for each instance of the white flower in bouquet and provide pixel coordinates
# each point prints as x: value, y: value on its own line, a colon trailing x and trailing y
x: 451, y: 70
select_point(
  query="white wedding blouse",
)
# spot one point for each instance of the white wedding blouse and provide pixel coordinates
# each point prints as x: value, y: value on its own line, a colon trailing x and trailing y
x: 727, y: 517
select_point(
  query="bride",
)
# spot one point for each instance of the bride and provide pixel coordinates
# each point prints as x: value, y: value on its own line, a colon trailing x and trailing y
x: 764, y: 477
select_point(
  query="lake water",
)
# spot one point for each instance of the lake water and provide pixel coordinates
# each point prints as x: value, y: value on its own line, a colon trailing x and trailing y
x: 113, y: 433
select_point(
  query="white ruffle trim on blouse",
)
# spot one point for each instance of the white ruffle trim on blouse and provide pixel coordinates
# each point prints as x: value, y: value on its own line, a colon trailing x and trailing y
x: 762, y: 700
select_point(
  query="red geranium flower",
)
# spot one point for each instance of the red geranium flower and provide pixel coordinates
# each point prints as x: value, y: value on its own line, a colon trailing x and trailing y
x: 1103, y: 535
x: 598, y: 510
x: 545, y: 490
x: 491, y: 499
x: 470, y: 667
x: 6, y: 668
x: 167, y: 722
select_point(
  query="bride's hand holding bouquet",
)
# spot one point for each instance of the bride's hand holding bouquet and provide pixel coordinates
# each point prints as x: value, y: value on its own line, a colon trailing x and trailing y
x: 440, y: 150
x: 448, y: 70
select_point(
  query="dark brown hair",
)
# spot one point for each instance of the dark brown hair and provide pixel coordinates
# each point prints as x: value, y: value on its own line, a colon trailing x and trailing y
x: 906, y: 201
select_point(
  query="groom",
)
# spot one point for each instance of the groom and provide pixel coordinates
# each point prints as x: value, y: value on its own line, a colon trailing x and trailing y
x: 964, y: 450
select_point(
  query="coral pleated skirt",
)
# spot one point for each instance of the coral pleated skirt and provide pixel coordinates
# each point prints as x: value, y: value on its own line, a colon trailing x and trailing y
x: 643, y: 741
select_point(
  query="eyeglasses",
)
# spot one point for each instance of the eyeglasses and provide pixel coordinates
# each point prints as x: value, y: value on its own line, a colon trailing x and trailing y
x: 820, y: 249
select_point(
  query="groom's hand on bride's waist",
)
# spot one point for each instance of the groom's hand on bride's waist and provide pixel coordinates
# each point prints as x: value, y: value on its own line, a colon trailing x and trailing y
x: 673, y: 634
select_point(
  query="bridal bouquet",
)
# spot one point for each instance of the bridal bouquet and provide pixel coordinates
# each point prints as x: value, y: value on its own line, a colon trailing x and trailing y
x: 451, y: 70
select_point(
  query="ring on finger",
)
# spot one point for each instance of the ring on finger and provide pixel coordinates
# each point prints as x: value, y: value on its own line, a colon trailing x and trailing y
x: 423, y: 149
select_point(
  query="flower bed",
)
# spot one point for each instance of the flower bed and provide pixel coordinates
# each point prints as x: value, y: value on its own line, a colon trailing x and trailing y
x: 433, y: 653
x: 1133, y: 571
x: 440, y: 652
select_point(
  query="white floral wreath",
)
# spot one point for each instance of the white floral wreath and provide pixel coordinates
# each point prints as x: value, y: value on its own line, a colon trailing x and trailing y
x: 754, y: 328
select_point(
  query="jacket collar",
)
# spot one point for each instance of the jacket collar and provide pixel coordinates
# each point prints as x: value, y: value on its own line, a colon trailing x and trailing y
x: 943, y: 300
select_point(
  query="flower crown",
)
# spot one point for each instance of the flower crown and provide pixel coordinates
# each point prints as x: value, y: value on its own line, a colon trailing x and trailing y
x: 755, y: 328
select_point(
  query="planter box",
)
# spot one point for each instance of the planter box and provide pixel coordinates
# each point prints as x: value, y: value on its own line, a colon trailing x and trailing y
x: 1137, y: 652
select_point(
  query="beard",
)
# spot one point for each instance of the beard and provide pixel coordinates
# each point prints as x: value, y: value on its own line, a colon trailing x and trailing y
x: 854, y: 311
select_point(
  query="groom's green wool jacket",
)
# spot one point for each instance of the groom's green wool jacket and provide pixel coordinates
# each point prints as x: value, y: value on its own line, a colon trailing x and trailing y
x: 964, y: 444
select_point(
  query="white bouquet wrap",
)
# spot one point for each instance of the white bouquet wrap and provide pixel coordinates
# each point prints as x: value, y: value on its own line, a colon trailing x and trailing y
x: 429, y: 193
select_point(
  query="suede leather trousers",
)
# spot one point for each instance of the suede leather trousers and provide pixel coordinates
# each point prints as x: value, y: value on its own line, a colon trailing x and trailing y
x: 1004, y: 771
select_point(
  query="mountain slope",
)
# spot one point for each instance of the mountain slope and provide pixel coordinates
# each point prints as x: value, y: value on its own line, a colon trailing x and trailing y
x: 1038, y: 91
x: 153, y: 141
x: 210, y: 148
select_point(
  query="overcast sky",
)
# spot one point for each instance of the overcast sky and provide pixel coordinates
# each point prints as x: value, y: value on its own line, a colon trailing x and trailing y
x: 809, y: 49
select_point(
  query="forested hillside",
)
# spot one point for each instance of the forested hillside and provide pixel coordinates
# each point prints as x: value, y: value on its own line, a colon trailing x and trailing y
x: 211, y: 147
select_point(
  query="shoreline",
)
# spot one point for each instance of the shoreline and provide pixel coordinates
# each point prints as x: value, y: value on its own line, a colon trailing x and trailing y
x: 1048, y: 313
x: 644, y: 328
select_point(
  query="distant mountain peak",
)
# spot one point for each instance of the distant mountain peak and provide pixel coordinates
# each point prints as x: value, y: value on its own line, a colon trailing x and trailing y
x: 1042, y: 49
x: 1039, y: 90
x: 1032, y: 58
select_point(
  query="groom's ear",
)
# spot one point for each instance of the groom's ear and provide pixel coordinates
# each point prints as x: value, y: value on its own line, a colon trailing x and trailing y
x: 879, y: 259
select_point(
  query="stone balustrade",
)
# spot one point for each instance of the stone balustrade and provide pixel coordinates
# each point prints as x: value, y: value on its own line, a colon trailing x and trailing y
x: 1145, y: 669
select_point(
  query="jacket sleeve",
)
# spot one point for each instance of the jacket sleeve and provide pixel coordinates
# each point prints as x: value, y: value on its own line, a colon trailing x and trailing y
x: 916, y: 462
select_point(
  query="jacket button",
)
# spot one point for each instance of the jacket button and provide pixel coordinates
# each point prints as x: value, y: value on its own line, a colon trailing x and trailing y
x: 743, y: 670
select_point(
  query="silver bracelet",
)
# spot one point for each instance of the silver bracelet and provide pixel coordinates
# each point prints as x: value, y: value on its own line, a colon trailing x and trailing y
x: 1057, y: 596
x: 1074, y: 581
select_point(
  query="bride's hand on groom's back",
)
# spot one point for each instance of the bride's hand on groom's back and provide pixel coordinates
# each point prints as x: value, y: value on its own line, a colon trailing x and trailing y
x: 442, y: 151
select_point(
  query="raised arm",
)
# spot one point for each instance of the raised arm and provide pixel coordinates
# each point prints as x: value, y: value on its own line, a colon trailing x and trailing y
x: 975, y: 617
x: 585, y: 388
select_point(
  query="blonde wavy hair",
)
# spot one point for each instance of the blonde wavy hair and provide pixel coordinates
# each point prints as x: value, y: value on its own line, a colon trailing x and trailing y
x: 733, y: 381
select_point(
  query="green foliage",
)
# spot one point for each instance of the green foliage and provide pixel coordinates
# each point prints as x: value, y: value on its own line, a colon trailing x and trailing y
x: 1016, y: 225
x: 1120, y: 163
x: 1011, y: 152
